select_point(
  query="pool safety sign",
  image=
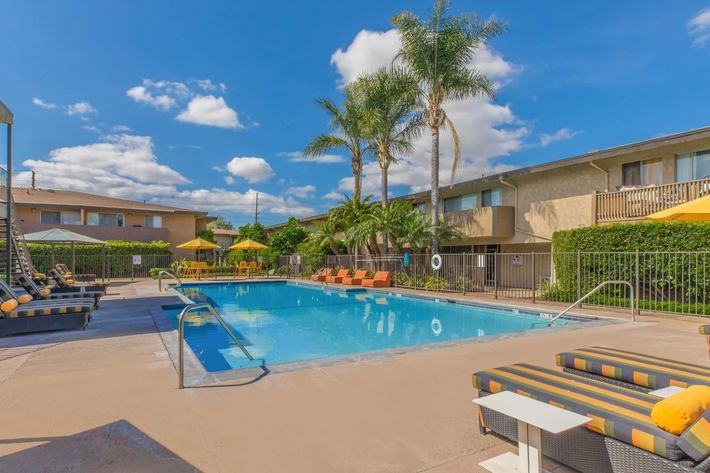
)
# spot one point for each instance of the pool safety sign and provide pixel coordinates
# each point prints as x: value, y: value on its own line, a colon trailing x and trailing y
x: 136, y: 259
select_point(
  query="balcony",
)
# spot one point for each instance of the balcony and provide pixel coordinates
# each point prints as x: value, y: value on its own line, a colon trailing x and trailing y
x: 631, y: 204
x: 102, y: 233
x: 497, y: 221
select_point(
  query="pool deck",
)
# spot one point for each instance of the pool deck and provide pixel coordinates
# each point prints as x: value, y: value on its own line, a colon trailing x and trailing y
x: 106, y: 399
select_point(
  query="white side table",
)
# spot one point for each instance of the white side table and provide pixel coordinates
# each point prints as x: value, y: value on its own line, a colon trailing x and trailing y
x: 533, y: 417
x: 667, y: 391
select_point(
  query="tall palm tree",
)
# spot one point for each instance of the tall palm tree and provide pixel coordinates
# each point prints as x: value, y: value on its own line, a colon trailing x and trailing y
x: 390, y: 119
x: 326, y: 235
x: 348, y: 215
x: 347, y: 125
x: 438, y: 52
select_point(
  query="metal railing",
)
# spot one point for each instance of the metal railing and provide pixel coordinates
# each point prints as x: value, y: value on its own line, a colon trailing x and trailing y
x: 590, y: 293
x: 105, y: 266
x: 181, y: 337
x: 167, y: 273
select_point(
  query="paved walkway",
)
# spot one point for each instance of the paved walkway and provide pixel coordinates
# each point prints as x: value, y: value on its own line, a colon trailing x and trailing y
x: 106, y: 400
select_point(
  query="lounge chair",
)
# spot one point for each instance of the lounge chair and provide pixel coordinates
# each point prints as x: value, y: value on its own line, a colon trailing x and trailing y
x: 621, y: 438
x: 38, y: 293
x: 63, y: 270
x: 631, y: 370
x: 243, y: 269
x: 322, y: 274
x: 705, y: 330
x: 253, y: 269
x: 356, y: 280
x: 381, y: 279
x: 338, y: 278
x: 68, y: 285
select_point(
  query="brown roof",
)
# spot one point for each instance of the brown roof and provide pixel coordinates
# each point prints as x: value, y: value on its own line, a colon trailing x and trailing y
x: 224, y: 231
x: 58, y: 198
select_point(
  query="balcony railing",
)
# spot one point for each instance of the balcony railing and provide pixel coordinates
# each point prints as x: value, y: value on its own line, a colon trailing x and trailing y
x: 637, y: 203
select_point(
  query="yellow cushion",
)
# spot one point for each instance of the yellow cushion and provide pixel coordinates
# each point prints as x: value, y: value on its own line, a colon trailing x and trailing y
x: 675, y: 413
x: 40, y: 276
x: 69, y: 282
x: 24, y: 298
x: 45, y: 292
x: 8, y: 305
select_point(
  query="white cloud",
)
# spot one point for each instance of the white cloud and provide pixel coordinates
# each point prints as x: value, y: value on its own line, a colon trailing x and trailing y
x: 208, y: 85
x: 299, y: 157
x: 699, y: 27
x: 487, y: 130
x: 120, y: 128
x: 559, y: 135
x: 250, y: 168
x: 217, y: 168
x: 119, y: 165
x: 229, y: 180
x: 301, y: 191
x: 92, y: 129
x: 141, y: 94
x: 161, y: 94
x: 334, y: 195
x: 222, y: 200
x: 81, y: 109
x: 42, y: 104
x: 211, y: 111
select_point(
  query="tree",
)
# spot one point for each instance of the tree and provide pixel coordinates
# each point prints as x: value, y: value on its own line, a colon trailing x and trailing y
x: 438, y: 52
x: 287, y: 239
x: 255, y: 232
x: 206, y: 234
x: 326, y: 235
x: 220, y: 222
x: 346, y: 123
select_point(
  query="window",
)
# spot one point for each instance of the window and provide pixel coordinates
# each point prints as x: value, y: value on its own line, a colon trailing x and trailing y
x: 104, y: 220
x: 153, y: 221
x: 491, y: 197
x: 67, y: 217
x: 421, y: 206
x: 50, y: 218
x: 460, y: 203
x: 642, y: 173
x: 692, y: 166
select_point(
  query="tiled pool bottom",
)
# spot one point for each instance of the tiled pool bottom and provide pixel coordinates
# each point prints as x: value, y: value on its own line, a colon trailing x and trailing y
x: 285, y: 323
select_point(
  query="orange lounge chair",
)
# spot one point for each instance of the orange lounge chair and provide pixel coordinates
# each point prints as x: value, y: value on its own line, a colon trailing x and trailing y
x: 322, y: 275
x: 342, y: 273
x: 356, y: 280
x: 381, y: 279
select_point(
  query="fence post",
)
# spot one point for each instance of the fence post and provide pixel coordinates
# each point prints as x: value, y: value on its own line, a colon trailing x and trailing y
x: 130, y: 262
x: 637, y: 292
x: 496, y: 260
x: 579, y: 277
x: 103, y: 264
x: 533, y: 282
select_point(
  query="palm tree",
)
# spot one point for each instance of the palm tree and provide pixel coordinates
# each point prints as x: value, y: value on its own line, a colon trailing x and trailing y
x: 349, y: 214
x: 346, y: 123
x: 417, y: 231
x: 325, y: 235
x: 438, y: 52
x: 390, y: 118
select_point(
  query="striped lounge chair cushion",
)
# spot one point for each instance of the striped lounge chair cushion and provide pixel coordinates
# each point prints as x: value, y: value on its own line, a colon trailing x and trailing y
x: 641, y: 370
x: 28, y: 310
x: 704, y: 330
x: 619, y: 413
x: 695, y: 441
x: 33, y: 290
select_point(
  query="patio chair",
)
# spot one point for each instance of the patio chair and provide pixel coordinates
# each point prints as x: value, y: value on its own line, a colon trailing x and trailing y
x: 631, y: 370
x: 705, y: 330
x: 68, y: 285
x: 338, y: 278
x: 243, y: 269
x: 46, y: 293
x: 190, y: 269
x: 322, y: 274
x: 622, y: 436
x: 252, y: 268
x: 356, y: 279
x: 381, y: 279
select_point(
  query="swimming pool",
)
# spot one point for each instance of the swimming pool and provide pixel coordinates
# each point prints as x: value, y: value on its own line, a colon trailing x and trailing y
x: 283, y: 322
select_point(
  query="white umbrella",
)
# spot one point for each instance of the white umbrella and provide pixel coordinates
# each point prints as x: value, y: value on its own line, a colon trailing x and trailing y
x: 59, y: 235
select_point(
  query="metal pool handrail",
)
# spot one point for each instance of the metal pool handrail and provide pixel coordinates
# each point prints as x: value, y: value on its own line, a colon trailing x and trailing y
x: 181, y: 337
x: 168, y: 273
x: 605, y: 283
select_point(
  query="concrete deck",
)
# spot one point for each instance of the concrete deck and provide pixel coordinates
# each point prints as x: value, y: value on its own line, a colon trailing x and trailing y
x: 106, y: 400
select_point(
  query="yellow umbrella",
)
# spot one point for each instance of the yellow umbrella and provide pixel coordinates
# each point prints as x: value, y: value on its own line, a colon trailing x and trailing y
x: 248, y: 245
x: 199, y: 244
x: 693, y: 211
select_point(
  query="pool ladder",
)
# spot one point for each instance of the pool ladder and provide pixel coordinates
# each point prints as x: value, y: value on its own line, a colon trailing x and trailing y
x: 584, y: 297
x: 181, y: 337
x: 167, y: 273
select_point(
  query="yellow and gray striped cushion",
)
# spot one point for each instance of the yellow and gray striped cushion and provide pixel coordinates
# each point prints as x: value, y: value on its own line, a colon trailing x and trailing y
x: 619, y: 413
x: 695, y: 441
x: 642, y: 370
x: 704, y: 330
x: 27, y: 310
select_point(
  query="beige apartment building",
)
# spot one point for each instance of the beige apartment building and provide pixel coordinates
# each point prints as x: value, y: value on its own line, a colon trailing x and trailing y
x: 519, y: 210
x: 106, y: 218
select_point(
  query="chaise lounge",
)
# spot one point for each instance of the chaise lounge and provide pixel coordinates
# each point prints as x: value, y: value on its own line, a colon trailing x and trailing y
x: 356, y: 279
x: 38, y: 293
x: 621, y: 438
x: 338, y: 278
x: 322, y: 275
x: 381, y: 279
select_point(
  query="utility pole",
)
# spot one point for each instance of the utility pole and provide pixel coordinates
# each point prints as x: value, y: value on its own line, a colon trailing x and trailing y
x: 256, y: 209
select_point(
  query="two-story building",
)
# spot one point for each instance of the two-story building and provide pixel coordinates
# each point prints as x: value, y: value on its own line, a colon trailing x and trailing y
x: 519, y: 210
x: 106, y: 218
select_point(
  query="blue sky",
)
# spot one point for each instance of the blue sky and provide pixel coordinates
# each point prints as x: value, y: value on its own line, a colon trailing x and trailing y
x: 155, y: 100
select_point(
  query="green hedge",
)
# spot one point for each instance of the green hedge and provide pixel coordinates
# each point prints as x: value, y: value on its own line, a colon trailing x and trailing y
x: 642, y: 236
x: 112, y: 247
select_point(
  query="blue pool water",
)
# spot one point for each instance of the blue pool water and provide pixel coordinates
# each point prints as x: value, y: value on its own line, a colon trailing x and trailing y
x: 281, y: 322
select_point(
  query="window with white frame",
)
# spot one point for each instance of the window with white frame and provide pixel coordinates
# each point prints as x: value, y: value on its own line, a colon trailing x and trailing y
x: 692, y: 166
x: 56, y: 217
x: 491, y: 197
x: 153, y: 221
x: 105, y: 219
x: 460, y: 203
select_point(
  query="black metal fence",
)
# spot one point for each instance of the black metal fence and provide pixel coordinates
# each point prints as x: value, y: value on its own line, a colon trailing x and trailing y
x: 109, y: 266
x: 663, y: 281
